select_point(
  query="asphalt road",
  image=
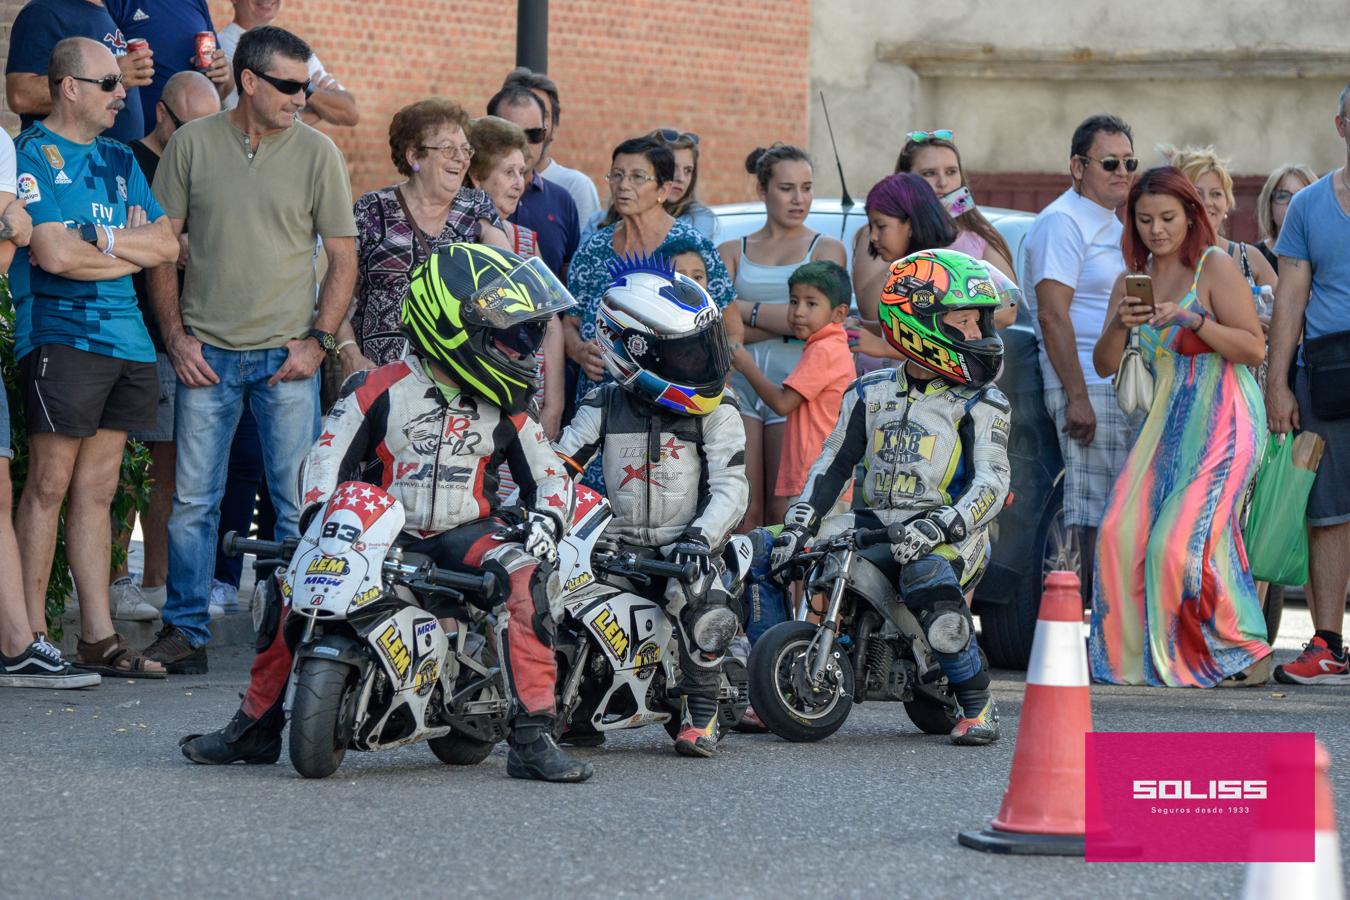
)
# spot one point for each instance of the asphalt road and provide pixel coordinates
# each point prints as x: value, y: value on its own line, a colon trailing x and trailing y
x: 97, y: 802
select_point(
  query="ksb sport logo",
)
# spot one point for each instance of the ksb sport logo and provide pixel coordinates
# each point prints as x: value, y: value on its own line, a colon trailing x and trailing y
x: 1186, y: 790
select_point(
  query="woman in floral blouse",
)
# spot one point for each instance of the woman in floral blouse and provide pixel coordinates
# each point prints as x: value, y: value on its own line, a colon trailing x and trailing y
x: 401, y: 226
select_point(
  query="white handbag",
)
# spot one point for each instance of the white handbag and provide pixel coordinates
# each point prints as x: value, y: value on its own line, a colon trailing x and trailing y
x: 1133, y: 381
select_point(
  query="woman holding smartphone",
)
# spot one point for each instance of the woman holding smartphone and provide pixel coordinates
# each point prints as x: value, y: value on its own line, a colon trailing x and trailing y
x: 1173, y: 601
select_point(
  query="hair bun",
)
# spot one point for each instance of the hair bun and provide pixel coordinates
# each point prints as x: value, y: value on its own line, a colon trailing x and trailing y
x: 752, y: 161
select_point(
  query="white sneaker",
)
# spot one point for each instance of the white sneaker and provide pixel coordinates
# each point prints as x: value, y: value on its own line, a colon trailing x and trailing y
x: 155, y: 596
x: 226, y: 597
x: 127, y: 602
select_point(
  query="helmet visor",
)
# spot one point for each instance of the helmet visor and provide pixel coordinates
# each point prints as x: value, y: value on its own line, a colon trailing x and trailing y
x: 523, y: 338
x: 1009, y: 294
x: 697, y: 360
x: 528, y: 292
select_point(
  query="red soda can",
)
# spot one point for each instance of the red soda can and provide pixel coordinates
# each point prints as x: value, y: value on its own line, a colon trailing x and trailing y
x: 134, y: 44
x: 205, y: 43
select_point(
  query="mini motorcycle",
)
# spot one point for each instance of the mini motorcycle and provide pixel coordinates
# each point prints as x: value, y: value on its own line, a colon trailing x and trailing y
x: 805, y: 675
x: 373, y: 667
x: 617, y: 650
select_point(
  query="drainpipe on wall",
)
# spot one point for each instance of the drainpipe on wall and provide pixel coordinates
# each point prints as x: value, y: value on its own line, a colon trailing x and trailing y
x: 532, y: 34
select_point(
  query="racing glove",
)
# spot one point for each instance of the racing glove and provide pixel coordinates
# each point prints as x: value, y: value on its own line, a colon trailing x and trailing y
x: 541, y: 538
x: 798, y: 526
x: 693, y: 547
x: 920, y: 538
x: 950, y: 521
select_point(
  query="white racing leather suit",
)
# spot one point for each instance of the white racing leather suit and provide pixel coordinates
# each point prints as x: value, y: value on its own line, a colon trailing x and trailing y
x: 924, y: 446
x: 667, y: 476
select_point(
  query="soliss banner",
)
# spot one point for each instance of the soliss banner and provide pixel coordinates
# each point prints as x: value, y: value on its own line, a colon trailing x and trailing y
x: 1200, y: 796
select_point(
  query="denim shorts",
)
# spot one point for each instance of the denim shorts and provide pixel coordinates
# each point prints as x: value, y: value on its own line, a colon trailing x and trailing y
x: 168, y: 389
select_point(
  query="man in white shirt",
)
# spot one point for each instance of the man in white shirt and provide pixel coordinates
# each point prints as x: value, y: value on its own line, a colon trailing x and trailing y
x: 325, y: 100
x: 1069, y: 261
x: 574, y: 181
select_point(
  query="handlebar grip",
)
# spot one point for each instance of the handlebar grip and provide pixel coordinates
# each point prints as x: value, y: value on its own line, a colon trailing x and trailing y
x: 484, y: 585
x: 234, y: 545
x: 889, y: 535
x: 685, y: 572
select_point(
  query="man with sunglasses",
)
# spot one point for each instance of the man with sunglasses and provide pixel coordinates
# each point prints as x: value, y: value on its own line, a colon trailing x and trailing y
x: 245, y: 329
x: 576, y: 182
x: 34, y: 35
x: 1069, y: 261
x: 546, y: 208
x: 87, y: 366
x: 326, y: 99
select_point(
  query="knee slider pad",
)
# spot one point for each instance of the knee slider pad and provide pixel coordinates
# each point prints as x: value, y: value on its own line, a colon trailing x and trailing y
x: 931, y: 590
x: 711, y: 628
x: 266, y: 612
x: 948, y: 626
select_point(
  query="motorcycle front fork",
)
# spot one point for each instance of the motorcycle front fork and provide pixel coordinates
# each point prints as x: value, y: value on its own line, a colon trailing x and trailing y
x: 823, y: 643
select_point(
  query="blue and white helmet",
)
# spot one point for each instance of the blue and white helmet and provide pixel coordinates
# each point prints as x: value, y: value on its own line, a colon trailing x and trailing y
x: 661, y: 336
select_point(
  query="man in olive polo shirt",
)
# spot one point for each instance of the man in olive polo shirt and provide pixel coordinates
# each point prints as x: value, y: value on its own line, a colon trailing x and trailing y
x: 259, y: 186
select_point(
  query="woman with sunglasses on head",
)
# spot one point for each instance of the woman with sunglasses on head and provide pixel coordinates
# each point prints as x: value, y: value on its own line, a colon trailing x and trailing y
x: 401, y: 226
x: 640, y: 173
x: 933, y: 156
x: 760, y: 264
x: 1273, y: 204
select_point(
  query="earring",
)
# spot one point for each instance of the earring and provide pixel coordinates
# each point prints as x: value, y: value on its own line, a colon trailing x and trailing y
x: 417, y: 167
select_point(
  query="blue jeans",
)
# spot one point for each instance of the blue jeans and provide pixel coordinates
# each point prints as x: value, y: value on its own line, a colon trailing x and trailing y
x: 205, y: 420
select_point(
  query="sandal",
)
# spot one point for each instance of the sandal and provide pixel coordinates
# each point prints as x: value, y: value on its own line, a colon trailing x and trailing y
x: 114, y: 657
x: 1255, y: 675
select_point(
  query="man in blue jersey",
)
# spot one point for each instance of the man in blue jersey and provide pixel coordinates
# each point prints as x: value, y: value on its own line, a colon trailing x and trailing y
x: 86, y: 363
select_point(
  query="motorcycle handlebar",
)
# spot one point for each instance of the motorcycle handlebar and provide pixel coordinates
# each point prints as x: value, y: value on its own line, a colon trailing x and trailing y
x: 484, y: 585
x: 890, y: 535
x: 685, y: 572
x: 234, y: 545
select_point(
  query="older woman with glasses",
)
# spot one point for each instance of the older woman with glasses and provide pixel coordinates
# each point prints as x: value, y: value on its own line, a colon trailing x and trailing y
x: 682, y: 201
x: 1273, y: 203
x: 401, y: 226
x: 640, y: 173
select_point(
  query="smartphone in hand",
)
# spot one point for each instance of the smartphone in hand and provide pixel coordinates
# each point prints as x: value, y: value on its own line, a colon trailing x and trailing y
x: 1140, y: 287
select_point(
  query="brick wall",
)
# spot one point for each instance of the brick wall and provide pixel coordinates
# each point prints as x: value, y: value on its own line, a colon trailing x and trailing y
x: 734, y: 72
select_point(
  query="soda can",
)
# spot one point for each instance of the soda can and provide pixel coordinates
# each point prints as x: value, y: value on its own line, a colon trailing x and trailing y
x: 134, y: 44
x: 205, y: 43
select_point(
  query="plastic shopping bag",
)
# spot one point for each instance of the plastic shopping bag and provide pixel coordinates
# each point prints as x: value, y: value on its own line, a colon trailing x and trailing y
x: 1276, y: 534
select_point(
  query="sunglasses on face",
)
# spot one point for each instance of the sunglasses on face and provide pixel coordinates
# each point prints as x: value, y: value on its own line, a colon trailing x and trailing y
x: 284, y: 85
x: 942, y: 134
x: 177, y: 122
x: 107, y: 84
x: 674, y: 135
x: 1111, y: 163
x: 535, y: 135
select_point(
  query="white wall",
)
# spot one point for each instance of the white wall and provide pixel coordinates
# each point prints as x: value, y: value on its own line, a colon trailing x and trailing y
x: 1013, y: 78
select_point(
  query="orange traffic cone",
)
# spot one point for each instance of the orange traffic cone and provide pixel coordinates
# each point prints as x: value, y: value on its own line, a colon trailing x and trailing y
x: 1322, y: 878
x: 1043, y: 810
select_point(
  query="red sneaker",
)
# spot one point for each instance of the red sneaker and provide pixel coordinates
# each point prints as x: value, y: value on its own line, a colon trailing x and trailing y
x: 1315, y: 665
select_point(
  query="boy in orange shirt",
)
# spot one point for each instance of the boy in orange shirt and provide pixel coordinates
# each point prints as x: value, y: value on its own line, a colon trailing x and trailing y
x: 819, y: 294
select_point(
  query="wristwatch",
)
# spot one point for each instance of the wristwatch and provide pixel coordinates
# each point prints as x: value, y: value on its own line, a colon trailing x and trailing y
x: 89, y: 233
x: 326, y: 339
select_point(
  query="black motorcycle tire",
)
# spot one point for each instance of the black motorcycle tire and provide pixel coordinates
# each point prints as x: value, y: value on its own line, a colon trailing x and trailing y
x: 930, y: 716
x: 455, y: 749
x: 323, y: 690
x: 768, y: 699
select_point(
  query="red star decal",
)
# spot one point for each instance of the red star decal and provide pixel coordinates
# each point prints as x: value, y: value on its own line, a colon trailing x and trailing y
x: 326, y: 439
x: 673, y: 448
x: 550, y: 471
x: 313, y: 495
x: 555, y: 500
x: 641, y: 473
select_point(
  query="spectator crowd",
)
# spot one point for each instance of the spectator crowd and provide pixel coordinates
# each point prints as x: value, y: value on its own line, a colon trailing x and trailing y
x: 189, y: 270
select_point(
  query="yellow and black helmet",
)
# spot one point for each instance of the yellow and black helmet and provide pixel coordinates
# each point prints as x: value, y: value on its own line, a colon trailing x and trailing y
x: 480, y: 313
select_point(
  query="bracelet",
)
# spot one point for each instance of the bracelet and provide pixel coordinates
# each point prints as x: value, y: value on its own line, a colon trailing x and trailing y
x: 344, y: 345
x: 108, y: 235
x: 754, y: 314
x: 1202, y: 316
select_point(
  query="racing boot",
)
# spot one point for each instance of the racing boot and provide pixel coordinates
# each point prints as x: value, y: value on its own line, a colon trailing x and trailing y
x: 693, y: 739
x: 246, y: 740
x: 982, y: 729
x: 535, y: 754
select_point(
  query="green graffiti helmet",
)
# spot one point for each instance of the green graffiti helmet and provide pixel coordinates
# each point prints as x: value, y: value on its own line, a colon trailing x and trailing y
x: 921, y: 289
x: 479, y: 313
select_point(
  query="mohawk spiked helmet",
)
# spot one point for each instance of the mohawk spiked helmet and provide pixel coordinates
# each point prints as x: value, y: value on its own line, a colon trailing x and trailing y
x: 479, y: 313
x: 923, y: 287
x: 661, y: 336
